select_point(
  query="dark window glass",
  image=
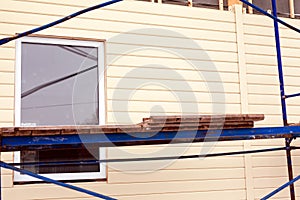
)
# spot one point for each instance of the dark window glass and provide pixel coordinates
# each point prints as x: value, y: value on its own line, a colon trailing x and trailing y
x: 59, y: 156
x: 59, y: 85
x: 297, y: 8
x: 283, y: 8
x: 264, y: 4
x: 206, y: 3
x: 176, y: 2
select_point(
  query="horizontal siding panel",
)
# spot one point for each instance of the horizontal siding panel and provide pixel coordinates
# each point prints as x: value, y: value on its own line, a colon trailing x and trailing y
x: 6, y: 181
x: 268, y: 142
x: 269, y: 31
x: 181, y: 64
x: 6, y: 102
x: 7, y: 65
x: 111, y: 17
x: 269, y: 121
x: 170, y: 96
x: 171, y: 107
x: 133, y: 83
x: 142, y: 7
x: 282, y: 195
x: 137, y: 7
x: 7, y: 156
x: 7, y: 53
x: 262, y: 99
x: 228, y: 194
x: 200, y: 38
x: 270, y: 109
x: 270, y: 41
x: 264, y: 89
x: 272, y: 161
x: 230, y: 162
x: 125, y: 117
x: 7, y: 90
x: 173, y: 175
x: 170, y: 74
x: 272, y: 171
x: 6, y: 115
x: 272, y: 70
x: 7, y: 78
x: 269, y: 182
x: 270, y: 80
x: 125, y: 189
x: 271, y: 60
x: 258, y: 20
x: 271, y: 50
x: 168, y: 150
x: 175, y: 41
x: 6, y: 124
x: 160, y: 53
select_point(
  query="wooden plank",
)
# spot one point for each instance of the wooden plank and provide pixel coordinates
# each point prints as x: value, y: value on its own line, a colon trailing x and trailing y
x: 193, y: 124
x: 207, y: 118
x: 173, y: 123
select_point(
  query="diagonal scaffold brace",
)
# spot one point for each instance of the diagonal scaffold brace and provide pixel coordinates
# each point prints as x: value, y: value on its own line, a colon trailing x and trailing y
x: 46, y: 179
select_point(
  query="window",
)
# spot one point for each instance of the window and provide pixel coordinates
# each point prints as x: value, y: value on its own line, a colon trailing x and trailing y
x: 297, y: 9
x: 206, y: 3
x: 60, y: 82
x: 283, y: 8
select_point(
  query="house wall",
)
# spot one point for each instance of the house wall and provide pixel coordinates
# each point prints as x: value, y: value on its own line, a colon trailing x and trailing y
x: 157, y: 56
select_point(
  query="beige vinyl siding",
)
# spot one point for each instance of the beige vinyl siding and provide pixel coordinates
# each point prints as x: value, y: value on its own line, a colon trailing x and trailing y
x: 270, y: 169
x: 231, y: 177
x: 262, y: 75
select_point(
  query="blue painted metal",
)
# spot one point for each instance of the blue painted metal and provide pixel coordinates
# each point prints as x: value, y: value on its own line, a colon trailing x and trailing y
x: 10, y: 143
x: 271, y: 16
x: 292, y: 95
x: 8, y: 39
x: 91, y: 193
x: 282, y: 95
x: 279, y: 63
x: 91, y: 162
x: 280, y: 188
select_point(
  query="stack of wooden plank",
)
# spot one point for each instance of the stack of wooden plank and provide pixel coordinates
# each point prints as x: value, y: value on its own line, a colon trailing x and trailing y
x: 151, y: 124
x: 201, y: 122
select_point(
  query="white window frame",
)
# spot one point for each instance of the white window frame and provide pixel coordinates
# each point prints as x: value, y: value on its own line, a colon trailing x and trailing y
x: 102, y: 116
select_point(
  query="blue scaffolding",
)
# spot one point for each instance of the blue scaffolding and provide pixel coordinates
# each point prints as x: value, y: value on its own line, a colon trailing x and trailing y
x: 17, y: 143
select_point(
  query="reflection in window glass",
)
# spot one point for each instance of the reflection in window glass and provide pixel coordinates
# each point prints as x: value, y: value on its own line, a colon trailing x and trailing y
x: 297, y: 8
x: 283, y: 8
x: 206, y: 3
x: 176, y: 2
x: 59, y: 85
x: 58, y: 155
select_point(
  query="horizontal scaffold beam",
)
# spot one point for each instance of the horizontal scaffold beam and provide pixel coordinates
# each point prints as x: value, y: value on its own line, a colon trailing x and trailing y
x: 14, y: 143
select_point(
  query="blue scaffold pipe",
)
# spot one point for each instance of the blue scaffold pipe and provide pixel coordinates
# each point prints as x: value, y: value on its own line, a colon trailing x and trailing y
x: 292, y: 95
x: 281, y: 188
x: 271, y: 16
x: 7, y: 166
x: 8, y: 39
x: 279, y: 63
x: 91, y: 162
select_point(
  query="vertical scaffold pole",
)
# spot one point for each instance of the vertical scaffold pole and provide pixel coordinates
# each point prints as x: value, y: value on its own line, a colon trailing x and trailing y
x: 282, y: 96
x: 279, y: 63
